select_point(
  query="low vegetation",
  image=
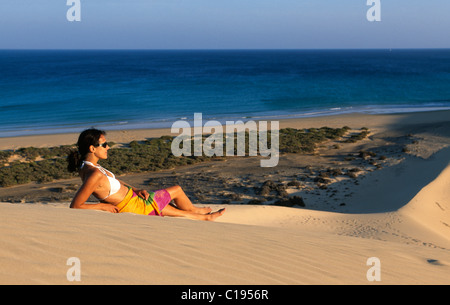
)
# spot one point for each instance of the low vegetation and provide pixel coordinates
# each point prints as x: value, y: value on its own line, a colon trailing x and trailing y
x: 47, y: 164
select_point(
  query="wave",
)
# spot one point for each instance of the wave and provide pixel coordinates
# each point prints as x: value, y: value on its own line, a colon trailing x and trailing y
x: 274, y: 115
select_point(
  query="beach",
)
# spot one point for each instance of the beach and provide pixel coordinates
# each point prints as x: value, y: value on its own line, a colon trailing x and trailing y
x: 386, y: 196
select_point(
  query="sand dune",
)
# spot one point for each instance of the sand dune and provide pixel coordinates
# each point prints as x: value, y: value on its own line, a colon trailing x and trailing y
x: 408, y: 203
x: 249, y: 245
x: 431, y: 206
x: 400, y: 215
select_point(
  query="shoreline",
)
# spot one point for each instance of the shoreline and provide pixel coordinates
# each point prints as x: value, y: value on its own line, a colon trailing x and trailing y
x: 382, y: 121
x: 263, y: 116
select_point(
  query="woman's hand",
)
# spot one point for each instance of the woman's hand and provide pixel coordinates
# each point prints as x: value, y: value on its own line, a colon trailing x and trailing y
x: 108, y: 207
x: 142, y: 193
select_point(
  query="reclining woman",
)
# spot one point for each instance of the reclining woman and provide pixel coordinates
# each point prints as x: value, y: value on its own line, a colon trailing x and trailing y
x: 116, y: 196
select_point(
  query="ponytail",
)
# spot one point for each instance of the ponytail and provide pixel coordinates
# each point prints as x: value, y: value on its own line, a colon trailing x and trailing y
x: 74, y: 159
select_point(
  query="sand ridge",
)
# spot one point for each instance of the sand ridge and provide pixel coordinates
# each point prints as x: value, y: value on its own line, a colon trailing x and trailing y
x: 399, y: 215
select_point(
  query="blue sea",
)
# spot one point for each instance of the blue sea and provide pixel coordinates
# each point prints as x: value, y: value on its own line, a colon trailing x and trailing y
x: 53, y: 91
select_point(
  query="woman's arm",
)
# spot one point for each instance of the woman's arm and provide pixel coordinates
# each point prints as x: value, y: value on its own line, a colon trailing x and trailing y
x: 126, y: 184
x: 86, y: 190
x: 141, y: 193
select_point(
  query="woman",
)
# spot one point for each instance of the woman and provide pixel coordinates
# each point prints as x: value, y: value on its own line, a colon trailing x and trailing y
x: 116, y: 196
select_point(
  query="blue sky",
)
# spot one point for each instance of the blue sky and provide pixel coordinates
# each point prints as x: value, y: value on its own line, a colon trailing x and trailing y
x: 223, y: 24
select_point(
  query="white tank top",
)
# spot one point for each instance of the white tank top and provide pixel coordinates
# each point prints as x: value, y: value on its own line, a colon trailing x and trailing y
x: 113, y: 182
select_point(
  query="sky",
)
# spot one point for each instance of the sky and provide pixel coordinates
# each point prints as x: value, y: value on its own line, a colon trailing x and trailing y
x: 223, y: 24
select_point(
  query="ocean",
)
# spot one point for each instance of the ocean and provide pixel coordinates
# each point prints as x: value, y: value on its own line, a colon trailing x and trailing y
x: 56, y: 91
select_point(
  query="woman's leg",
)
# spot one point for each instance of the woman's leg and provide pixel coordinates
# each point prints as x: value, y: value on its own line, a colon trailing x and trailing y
x: 186, y: 208
x: 183, y: 202
x: 174, y: 212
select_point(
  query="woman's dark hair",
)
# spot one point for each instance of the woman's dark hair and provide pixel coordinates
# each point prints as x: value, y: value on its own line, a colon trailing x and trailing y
x: 85, y: 140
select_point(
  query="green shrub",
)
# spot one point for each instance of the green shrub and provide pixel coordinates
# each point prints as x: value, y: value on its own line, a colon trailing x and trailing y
x: 150, y: 155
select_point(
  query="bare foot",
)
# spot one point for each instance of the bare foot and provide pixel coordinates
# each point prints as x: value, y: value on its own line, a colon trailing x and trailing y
x: 214, y: 215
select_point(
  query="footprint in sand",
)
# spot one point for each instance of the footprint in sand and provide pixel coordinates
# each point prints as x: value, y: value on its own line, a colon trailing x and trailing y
x: 437, y: 203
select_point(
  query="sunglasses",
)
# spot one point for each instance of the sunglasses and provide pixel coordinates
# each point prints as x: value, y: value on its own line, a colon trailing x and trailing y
x: 103, y: 145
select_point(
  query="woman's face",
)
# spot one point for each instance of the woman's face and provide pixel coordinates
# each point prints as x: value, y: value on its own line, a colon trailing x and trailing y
x: 100, y: 151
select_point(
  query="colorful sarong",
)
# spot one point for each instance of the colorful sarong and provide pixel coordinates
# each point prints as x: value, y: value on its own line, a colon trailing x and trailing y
x: 155, y: 203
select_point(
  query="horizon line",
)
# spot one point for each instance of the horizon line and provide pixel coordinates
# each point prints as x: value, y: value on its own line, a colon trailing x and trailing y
x: 213, y: 49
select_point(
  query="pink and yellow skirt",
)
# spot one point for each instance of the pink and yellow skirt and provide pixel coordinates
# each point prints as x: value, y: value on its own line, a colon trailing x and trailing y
x: 155, y: 203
